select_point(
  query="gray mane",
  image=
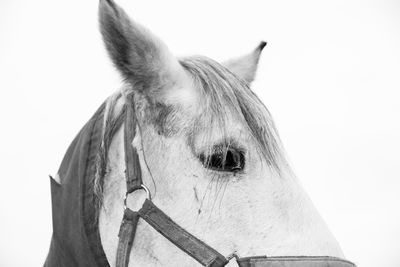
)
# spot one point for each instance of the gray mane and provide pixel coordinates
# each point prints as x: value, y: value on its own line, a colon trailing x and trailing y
x: 225, y: 94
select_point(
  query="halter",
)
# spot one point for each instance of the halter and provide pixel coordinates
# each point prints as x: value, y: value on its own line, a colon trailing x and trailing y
x: 194, y: 247
x: 149, y: 212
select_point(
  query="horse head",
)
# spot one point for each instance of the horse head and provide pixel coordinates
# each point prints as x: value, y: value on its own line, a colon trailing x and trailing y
x: 209, y: 154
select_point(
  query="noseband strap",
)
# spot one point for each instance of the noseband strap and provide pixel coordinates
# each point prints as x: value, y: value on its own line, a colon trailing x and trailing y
x: 188, y: 243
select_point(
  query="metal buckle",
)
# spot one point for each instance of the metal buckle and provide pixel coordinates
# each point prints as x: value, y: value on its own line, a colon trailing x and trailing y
x: 232, y: 255
x: 142, y: 187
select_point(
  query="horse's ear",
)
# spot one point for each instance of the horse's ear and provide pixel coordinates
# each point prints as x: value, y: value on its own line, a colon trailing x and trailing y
x: 246, y: 66
x: 142, y: 58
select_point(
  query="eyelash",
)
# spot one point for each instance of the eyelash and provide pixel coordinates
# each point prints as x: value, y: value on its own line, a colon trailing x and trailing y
x: 224, y: 159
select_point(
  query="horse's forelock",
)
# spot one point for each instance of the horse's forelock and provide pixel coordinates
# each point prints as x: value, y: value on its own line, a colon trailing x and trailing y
x: 225, y: 94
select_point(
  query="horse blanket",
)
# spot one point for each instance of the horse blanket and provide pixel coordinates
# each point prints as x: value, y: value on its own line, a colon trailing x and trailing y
x: 76, y: 238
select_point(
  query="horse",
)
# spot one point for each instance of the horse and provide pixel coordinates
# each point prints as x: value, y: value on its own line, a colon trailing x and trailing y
x: 190, y: 139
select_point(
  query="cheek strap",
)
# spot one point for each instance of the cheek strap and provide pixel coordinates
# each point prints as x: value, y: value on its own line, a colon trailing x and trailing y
x: 126, y: 236
x: 188, y: 243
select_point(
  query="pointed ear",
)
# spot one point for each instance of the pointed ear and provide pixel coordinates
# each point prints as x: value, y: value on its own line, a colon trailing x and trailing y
x: 246, y: 66
x: 142, y: 59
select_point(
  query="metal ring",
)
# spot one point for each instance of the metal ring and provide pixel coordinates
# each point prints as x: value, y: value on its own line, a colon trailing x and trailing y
x: 232, y: 255
x: 142, y: 187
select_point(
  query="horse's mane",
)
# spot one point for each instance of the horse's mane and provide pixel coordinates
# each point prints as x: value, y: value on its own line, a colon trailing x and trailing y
x: 224, y: 95
x: 112, y: 121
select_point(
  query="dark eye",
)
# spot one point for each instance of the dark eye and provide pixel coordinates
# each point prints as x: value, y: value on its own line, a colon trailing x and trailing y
x: 227, y: 160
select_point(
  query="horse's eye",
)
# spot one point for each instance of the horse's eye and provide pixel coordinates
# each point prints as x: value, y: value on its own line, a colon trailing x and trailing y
x: 230, y: 160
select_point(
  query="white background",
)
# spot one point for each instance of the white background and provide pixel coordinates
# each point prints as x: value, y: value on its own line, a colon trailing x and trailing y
x: 330, y: 75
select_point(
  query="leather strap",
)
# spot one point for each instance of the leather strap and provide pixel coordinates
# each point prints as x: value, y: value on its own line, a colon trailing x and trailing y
x: 133, y: 172
x: 126, y: 236
x: 293, y: 261
x: 133, y: 176
x: 194, y: 247
x: 188, y: 243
